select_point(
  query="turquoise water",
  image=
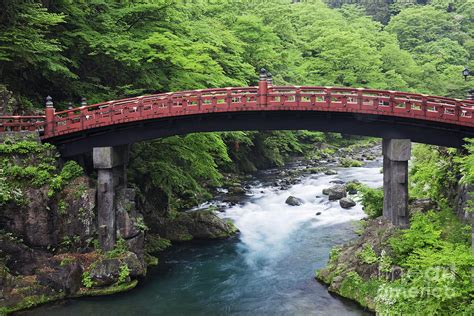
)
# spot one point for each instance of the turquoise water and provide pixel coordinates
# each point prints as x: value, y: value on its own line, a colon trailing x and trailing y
x: 267, y: 270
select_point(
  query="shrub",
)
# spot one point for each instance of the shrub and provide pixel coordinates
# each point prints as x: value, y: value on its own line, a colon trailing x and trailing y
x: 385, y: 262
x: 140, y: 224
x: 87, y: 280
x: 368, y: 255
x: 120, y: 248
x: 372, y: 201
x: 70, y: 171
x: 349, y: 162
x: 31, y: 164
x: 437, y: 273
x: 8, y: 193
x: 124, y: 273
x: 425, y: 231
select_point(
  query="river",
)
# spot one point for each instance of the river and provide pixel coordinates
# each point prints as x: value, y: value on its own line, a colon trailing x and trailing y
x: 267, y: 270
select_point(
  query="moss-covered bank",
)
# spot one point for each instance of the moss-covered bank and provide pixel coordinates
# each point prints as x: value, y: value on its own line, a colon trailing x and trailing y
x: 48, y: 238
x: 422, y: 270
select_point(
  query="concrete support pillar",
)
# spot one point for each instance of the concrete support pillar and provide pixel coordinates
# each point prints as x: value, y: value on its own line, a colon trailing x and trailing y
x: 396, y: 154
x: 106, y: 208
x: 109, y: 162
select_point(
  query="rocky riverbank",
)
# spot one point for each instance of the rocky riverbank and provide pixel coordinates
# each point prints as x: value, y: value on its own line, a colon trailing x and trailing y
x: 391, y: 270
x: 48, y: 238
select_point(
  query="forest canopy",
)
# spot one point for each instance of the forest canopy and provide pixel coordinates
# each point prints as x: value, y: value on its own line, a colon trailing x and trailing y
x: 105, y: 50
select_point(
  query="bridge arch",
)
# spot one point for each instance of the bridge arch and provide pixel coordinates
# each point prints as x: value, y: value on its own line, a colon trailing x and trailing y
x: 359, y: 111
x: 397, y: 117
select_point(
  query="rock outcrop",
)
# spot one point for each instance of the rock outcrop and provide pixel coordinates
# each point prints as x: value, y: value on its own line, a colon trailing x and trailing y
x: 42, y: 221
x: 335, y: 192
x: 330, y: 172
x: 49, y: 232
x: 347, y: 260
x: 347, y: 203
x: 201, y: 224
x: 294, y: 201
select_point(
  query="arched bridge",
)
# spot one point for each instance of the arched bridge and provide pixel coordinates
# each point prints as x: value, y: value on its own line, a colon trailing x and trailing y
x: 397, y: 117
x: 381, y: 113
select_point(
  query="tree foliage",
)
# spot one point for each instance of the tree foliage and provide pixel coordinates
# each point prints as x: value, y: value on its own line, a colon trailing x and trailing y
x: 179, y: 166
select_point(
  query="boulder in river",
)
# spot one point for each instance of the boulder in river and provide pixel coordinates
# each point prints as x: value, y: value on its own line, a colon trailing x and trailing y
x: 201, y: 224
x: 318, y: 213
x: 107, y: 271
x: 236, y: 190
x: 330, y: 172
x: 293, y: 201
x: 336, y: 192
x: 347, y: 203
x: 314, y: 170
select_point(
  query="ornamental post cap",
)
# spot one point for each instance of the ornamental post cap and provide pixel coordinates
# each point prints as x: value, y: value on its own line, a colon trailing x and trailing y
x: 269, y: 78
x: 49, y: 101
x: 466, y: 73
x: 470, y: 95
x: 83, y: 101
x: 263, y: 74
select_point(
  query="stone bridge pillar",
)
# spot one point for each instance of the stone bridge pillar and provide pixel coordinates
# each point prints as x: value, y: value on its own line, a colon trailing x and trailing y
x: 110, y: 163
x: 396, y: 154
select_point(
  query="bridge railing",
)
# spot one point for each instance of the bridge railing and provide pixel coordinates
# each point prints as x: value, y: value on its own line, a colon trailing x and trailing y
x: 154, y: 106
x: 370, y: 101
x: 264, y: 97
x: 22, y: 123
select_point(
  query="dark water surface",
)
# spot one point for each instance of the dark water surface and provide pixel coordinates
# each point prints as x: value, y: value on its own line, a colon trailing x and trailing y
x: 267, y: 270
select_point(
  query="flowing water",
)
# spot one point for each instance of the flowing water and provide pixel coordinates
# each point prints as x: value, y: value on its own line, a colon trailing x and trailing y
x: 267, y: 270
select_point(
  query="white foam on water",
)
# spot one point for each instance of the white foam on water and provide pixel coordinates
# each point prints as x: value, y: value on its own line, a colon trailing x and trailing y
x: 266, y: 222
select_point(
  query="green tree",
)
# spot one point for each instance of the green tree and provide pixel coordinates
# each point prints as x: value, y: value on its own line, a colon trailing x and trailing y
x: 28, y: 53
x: 421, y: 25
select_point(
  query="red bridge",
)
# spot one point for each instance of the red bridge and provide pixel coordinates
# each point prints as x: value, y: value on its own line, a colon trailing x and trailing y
x: 397, y: 117
x: 360, y: 111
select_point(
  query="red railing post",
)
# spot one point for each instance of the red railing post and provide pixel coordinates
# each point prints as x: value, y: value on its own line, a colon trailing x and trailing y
x: 360, y: 98
x: 424, y: 104
x: 70, y: 107
x: 169, y: 101
x: 228, y: 98
x: 262, y: 88
x: 140, y: 107
x: 84, y: 116
x: 298, y: 97
x: 391, y: 101
x: 49, y: 113
x: 269, y: 86
x: 328, y: 97
x: 16, y: 124
x: 457, y: 110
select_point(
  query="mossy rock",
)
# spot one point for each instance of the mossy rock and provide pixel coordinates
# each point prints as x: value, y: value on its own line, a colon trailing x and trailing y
x: 203, y: 224
x: 113, y: 289
x: 349, y: 162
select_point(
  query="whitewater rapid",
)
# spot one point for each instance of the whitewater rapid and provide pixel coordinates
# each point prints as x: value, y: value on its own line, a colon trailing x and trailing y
x: 266, y: 222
